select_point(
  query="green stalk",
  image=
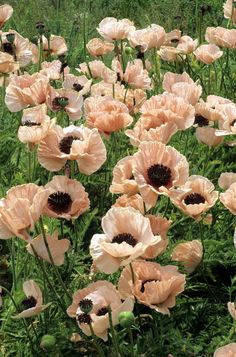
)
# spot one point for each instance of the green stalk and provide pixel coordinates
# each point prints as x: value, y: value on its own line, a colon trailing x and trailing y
x: 98, y: 348
x: 113, y: 334
x: 131, y: 342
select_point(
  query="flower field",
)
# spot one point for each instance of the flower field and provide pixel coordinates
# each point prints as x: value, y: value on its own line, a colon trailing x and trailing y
x: 117, y: 183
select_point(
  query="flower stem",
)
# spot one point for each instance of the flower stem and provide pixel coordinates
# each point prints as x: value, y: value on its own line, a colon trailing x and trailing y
x: 131, y: 342
x: 98, y: 348
x: 113, y: 334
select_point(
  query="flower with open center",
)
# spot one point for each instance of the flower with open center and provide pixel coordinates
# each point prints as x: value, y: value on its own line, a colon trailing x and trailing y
x: 35, y: 125
x: 72, y: 143
x: 148, y: 38
x: 57, y: 248
x: 126, y: 236
x: 195, y: 197
x: 152, y: 284
x: 33, y: 303
x: 66, y: 199
x: 158, y: 169
x: 112, y: 29
x: 20, y: 210
x: 80, y: 84
x: 98, y: 298
x: 188, y: 253
x: 226, y: 351
x: 54, y: 70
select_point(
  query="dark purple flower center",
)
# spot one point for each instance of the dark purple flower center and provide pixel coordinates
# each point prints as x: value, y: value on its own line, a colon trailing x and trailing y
x: 124, y: 237
x: 30, y: 123
x: 59, y: 202
x: 84, y: 319
x: 59, y: 103
x: 159, y: 175
x: 144, y: 282
x: 102, y: 311
x: 200, y: 120
x: 233, y: 123
x: 77, y: 87
x: 66, y: 142
x: 29, y: 302
x: 194, y: 199
x: 86, y: 305
x: 9, y: 48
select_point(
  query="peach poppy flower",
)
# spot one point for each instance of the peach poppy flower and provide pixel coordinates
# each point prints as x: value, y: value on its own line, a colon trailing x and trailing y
x: 112, y: 29
x: 126, y: 236
x: 35, y: 125
x: 19, y: 48
x: 148, y: 38
x: 169, y: 108
x: 195, y: 197
x: 134, y: 201
x: 33, y: 303
x: 221, y: 36
x: 208, y: 53
x: 20, y: 209
x: 67, y: 100
x: 123, y: 181
x: 159, y: 226
x: 6, y: 12
x: 207, y: 136
x: 215, y: 100
x: 172, y: 37
x: 188, y: 253
x: 226, y: 179
x: 97, y: 47
x: 57, y: 248
x: 206, y: 113
x: 58, y: 45
x: 231, y: 309
x: 66, y: 198
x: 26, y: 90
x: 227, y: 123
x: 228, y: 198
x: 53, y: 70
x: 106, y: 114
x: 72, y: 143
x: 150, y: 129
x: 7, y: 63
x: 182, y: 86
x: 99, y: 297
x: 170, y: 54
x: 97, y: 69
x: 154, y: 285
x: 79, y: 84
x: 157, y: 169
x: 187, y: 45
x: 229, y: 10
x: 226, y: 351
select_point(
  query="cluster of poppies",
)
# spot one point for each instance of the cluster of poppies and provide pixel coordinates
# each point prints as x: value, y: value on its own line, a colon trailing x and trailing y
x: 69, y: 117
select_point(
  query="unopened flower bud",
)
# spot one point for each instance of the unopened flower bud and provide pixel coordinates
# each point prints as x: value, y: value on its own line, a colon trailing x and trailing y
x: 129, y: 50
x: 48, y: 342
x: 40, y: 27
x: 126, y: 318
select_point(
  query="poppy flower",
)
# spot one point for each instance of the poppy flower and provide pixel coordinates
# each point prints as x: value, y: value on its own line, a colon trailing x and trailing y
x: 188, y: 253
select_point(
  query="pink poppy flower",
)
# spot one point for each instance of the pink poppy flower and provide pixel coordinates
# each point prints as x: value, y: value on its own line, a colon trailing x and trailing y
x: 188, y: 253
x: 112, y: 29
x: 208, y: 53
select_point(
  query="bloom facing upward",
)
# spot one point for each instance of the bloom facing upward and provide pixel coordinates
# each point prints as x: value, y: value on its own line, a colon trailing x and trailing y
x: 206, y: 113
x: 67, y: 100
x: 112, y: 29
x: 56, y: 247
x: 226, y: 351
x: 154, y: 285
x: 228, y: 198
x: 99, y: 297
x: 6, y: 12
x: 53, y: 70
x: 182, y: 86
x: 126, y: 236
x: 66, y: 198
x: 157, y: 169
x: 195, y: 197
x: 20, y: 209
x: 72, y: 143
x: 79, y: 84
x: 208, y: 53
x: 148, y: 38
x: 188, y: 253
x: 26, y: 90
x: 123, y: 181
x: 97, y: 47
x: 35, y: 125
x: 106, y: 114
x: 33, y: 303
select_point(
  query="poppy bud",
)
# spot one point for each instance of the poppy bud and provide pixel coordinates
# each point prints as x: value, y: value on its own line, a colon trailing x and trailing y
x: 126, y: 318
x: 129, y: 50
x: 48, y: 342
x: 40, y: 27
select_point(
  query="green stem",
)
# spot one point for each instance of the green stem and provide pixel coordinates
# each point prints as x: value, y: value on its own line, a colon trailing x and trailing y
x: 98, y: 348
x: 131, y: 342
x: 113, y: 334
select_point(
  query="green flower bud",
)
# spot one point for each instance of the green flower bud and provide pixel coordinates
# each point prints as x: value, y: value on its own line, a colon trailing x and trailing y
x: 129, y: 50
x: 126, y: 318
x: 40, y: 27
x: 48, y: 342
